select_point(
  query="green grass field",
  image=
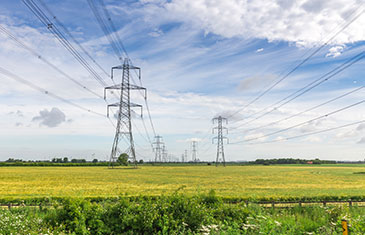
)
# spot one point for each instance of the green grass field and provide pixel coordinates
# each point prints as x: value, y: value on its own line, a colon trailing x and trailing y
x: 277, y: 181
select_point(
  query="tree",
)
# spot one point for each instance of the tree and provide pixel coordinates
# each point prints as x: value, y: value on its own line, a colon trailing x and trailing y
x: 65, y: 160
x: 95, y: 160
x: 123, y: 159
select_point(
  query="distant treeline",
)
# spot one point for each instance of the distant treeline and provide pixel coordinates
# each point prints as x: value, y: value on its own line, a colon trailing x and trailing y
x: 83, y: 162
x: 56, y: 162
x: 53, y: 162
x: 290, y: 161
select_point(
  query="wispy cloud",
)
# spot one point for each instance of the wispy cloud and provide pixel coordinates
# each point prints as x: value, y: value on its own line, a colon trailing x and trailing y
x: 198, y: 60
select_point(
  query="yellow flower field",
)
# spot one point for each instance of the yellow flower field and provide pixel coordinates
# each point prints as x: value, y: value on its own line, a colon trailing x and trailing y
x: 231, y: 181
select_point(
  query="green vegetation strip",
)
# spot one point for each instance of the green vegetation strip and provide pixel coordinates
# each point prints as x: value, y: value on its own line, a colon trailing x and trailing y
x: 176, y: 214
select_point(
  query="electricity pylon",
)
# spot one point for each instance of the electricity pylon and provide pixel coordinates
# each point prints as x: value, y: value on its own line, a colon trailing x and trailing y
x: 124, y: 122
x: 164, y: 153
x: 194, y: 151
x: 158, y: 148
x: 219, y: 138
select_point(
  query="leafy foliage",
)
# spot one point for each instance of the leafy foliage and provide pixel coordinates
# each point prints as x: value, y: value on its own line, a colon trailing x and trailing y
x: 176, y: 214
x: 123, y: 159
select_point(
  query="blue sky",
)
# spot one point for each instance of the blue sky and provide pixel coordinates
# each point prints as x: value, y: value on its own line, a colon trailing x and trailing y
x: 199, y: 59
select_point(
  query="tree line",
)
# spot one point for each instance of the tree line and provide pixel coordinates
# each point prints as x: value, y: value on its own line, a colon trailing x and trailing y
x: 290, y: 161
x: 123, y: 160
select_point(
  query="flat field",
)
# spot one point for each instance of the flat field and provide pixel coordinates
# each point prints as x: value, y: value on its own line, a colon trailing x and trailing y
x: 279, y: 181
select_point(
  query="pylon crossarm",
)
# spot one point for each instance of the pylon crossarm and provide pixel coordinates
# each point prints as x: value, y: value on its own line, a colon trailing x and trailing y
x: 134, y: 67
x: 112, y: 71
x: 114, y: 87
x: 137, y: 105
x: 108, y: 107
x: 135, y: 87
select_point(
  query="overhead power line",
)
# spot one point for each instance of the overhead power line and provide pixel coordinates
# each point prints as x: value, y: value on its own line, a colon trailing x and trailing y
x: 43, y: 91
x: 39, y: 56
x: 300, y: 63
x: 38, y: 12
x: 307, y: 110
x: 309, y: 134
x: 117, y: 45
x: 302, y: 123
x: 120, y: 43
x: 107, y: 31
x: 306, y: 88
x: 72, y: 37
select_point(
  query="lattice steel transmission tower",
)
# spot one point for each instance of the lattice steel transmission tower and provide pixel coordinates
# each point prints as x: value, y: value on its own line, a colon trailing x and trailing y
x: 220, y: 137
x: 124, y: 122
x: 158, y: 148
x: 194, y: 150
x: 164, y: 153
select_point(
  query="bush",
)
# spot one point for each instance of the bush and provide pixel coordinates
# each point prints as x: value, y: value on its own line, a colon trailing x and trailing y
x: 176, y: 214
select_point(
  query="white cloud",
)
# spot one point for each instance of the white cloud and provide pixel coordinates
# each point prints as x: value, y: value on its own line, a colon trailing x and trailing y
x: 156, y: 33
x: 335, y: 51
x: 255, y: 135
x: 304, y: 22
x: 361, y: 141
x: 255, y: 82
x: 351, y: 133
x: 260, y: 50
x: 51, y: 118
x: 361, y: 127
x: 347, y: 134
x: 310, y: 127
x: 313, y: 139
x: 18, y: 113
x: 193, y: 139
x: 189, y: 81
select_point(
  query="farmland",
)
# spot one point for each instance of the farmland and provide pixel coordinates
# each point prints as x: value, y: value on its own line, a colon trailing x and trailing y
x: 246, y: 182
x: 190, y: 199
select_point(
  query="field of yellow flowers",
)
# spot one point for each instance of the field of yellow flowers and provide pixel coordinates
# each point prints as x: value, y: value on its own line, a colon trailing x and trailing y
x: 280, y: 181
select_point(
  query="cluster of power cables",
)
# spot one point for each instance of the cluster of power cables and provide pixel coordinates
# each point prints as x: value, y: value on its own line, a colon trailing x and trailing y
x: 81, y: 55
x: 241, y: 127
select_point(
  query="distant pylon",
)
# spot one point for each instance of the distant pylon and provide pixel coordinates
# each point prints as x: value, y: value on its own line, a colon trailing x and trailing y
x: 194, y: 150
x: 158, y: 148
x: 182, y: 158
x: 124, y: 123
x: 164, y: 154
x: 220, y: 137
x: 186, y: 155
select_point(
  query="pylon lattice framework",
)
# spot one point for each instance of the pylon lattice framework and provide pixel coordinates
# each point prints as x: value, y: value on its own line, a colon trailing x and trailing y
x: 124, y: 122
x: 158, y: 148
x: 164, y: 154
x: 194, y: 151
x: 220, y: 137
